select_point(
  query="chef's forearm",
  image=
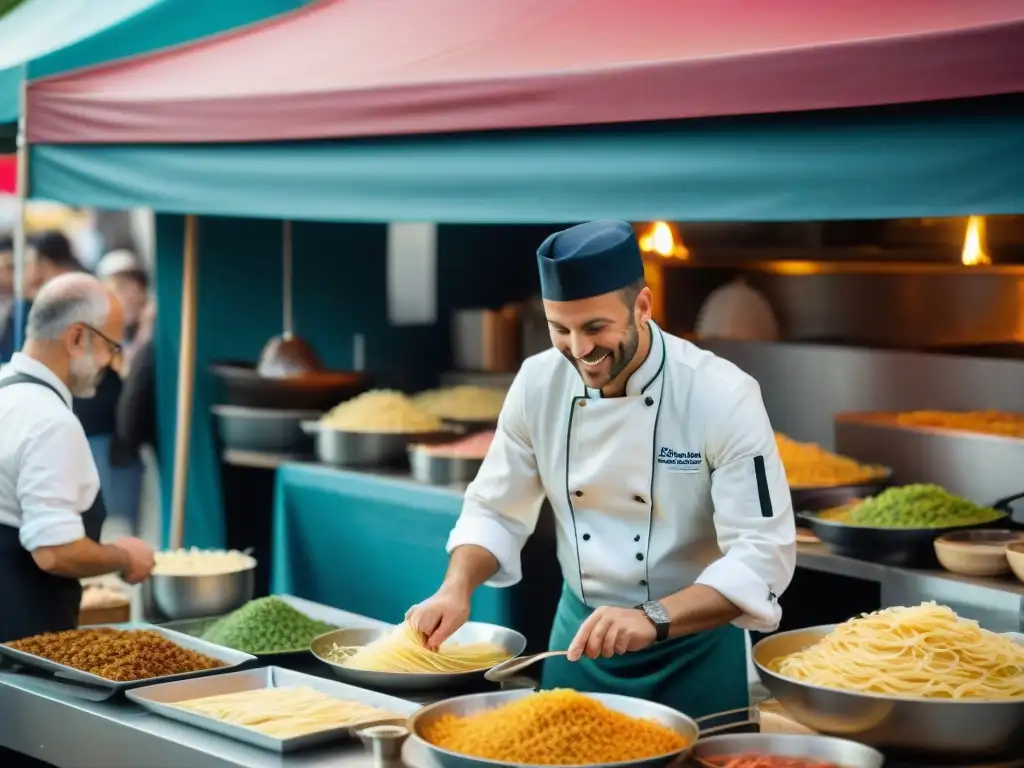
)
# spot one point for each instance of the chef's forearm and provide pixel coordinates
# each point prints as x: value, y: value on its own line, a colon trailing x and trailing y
x: 468, y: 567
x: 81, y: 559
x: 698, y: 608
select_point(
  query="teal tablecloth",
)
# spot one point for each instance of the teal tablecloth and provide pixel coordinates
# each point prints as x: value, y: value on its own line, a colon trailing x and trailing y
x: 367, y: 544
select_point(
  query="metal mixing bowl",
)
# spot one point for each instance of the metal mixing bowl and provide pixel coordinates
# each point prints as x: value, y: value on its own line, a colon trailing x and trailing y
x: 931, y: 728
x: 471, y: 632
x: 462, y: 706
x: 196, y: 597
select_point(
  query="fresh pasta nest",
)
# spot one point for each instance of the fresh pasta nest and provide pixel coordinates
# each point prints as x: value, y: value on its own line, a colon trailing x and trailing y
x: 559, y: 727
x: 925, y: 651
x: 402, y: 651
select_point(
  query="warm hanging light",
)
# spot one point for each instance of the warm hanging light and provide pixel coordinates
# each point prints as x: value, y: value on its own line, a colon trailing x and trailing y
x: 975, y: 251
x: 662, y: 239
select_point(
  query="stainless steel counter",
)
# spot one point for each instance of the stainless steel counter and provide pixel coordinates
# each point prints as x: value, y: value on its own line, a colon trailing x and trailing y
x: 998, y: 603
x: 51, y: 723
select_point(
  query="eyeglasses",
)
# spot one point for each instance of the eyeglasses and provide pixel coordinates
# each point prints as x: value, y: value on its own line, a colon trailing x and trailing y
x: 116, y: 347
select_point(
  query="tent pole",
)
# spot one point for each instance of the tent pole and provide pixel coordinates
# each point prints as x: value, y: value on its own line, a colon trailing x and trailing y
x: 186, y: 381
x: 21, y: 219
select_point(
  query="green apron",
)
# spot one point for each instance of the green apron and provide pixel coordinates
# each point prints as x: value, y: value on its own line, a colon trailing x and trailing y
x: 698, y: 675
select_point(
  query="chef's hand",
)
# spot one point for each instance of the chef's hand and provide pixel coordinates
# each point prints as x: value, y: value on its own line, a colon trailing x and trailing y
x: 440, y: 616
x: 612, y: 631
x: 140, y: 559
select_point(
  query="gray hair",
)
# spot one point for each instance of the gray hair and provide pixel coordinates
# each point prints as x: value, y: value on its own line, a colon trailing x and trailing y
x: 63, y: 302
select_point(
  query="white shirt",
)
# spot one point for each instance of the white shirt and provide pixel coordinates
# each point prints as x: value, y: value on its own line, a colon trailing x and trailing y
x: 48, y: 477
x: 691, y: 435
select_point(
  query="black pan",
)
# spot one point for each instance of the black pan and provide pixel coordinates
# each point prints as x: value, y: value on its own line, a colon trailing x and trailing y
x: 817, y: 499
x: 313, y: 391
x: 905, y: 547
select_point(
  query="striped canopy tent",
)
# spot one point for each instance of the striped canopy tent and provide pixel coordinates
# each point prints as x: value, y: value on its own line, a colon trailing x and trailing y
x: 522, y: 111
x: 527, y: 110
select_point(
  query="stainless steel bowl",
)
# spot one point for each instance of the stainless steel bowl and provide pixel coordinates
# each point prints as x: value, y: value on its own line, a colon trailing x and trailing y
x: 931, y: 728
x: 826, y: 749
x: 196, y: 597
x: 340, y: 448
x: 441, y: 470
x: 471, y: 632
x: 472, y: 704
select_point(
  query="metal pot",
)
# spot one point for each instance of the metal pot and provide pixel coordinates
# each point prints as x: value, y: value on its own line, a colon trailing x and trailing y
x: 195, y: 597
x: 340, y: 448
x: 929, y: 728
x: 264, y: 429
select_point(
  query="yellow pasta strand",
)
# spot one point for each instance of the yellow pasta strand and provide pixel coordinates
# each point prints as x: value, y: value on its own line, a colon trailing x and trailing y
x: 925, y: 651
x: 285, y: 713
x: 402, y: 650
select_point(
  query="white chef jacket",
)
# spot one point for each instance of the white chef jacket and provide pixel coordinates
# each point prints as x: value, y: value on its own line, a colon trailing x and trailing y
x: 47, y: 473
x: 677, y: 483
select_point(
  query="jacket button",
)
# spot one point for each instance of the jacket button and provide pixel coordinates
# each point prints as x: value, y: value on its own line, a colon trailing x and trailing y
x: 578, y: 493
x: 636, y: 538
x: 638, y: 499
x: 649, y: 400
x: 583, y: 403
x: 586, y: 537
x: 639, y: 555
x: 643, y: 582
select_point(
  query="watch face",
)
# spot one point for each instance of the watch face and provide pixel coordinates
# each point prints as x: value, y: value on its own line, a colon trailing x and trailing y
x: 656, y: 612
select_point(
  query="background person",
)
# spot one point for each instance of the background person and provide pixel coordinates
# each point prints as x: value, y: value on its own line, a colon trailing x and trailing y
x: 51, y: 505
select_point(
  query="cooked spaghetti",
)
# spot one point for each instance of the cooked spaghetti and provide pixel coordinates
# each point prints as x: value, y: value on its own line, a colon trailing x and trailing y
x: 402, y: 650
x: 559, y: 727
x: 285, y: 713
x: 926, y: 651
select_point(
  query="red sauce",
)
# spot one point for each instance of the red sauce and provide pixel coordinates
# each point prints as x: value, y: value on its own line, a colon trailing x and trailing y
x: 766, y: 761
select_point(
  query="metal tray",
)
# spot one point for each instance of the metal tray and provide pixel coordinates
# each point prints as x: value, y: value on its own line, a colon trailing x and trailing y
x: 441, y: 470
x: 161, y: 699
x: 230, y: 657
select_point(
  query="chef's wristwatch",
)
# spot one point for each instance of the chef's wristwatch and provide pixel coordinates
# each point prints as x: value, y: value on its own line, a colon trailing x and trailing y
x: 656, y: 612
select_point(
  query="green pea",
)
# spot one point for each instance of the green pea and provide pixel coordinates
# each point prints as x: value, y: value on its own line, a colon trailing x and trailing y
x: 266, y: 625
x: 919, y: 505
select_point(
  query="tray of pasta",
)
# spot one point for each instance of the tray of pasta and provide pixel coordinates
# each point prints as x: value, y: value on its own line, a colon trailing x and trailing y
x: 273, y: 708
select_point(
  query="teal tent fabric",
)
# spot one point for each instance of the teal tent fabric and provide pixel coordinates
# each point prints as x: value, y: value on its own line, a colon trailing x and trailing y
x: 941, y: 159
x: 46, y: 37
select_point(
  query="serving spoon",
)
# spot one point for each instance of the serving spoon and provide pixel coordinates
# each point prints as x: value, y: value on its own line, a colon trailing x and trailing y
x: 506, y: 669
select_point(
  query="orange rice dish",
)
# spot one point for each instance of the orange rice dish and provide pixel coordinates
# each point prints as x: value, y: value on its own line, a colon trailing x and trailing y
x: 559, y: 727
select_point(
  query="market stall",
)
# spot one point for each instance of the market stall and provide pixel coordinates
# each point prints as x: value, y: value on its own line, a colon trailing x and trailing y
x: 153, y: 134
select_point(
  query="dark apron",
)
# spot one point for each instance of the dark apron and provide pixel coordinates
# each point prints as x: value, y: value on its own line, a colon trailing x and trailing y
x: 700, y: 674
x: 38, y: 601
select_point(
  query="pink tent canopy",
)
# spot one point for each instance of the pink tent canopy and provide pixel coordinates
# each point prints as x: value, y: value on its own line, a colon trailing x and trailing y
x: 343, y: 68
x: 8, y: 174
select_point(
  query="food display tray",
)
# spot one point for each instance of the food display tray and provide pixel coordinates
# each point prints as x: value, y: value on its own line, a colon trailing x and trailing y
x: 232, y: 659
x: 161, y: 699
x: 979, y: 467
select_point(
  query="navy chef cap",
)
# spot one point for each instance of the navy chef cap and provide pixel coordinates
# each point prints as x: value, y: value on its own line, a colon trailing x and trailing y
x: 589, y: 260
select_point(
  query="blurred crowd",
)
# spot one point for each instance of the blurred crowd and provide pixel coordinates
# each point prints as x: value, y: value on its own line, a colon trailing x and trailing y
x: 120, y: 421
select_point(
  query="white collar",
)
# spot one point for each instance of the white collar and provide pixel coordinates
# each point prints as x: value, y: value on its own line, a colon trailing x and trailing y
x: 21, y: 363
x: 648, y: 372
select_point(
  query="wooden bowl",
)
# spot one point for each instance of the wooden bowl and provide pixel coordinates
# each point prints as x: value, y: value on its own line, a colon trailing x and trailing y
x: 1015, y: 556
x: 977, y: 552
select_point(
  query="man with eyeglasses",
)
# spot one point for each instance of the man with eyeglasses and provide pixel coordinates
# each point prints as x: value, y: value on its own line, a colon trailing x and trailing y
x: 51, y: 507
